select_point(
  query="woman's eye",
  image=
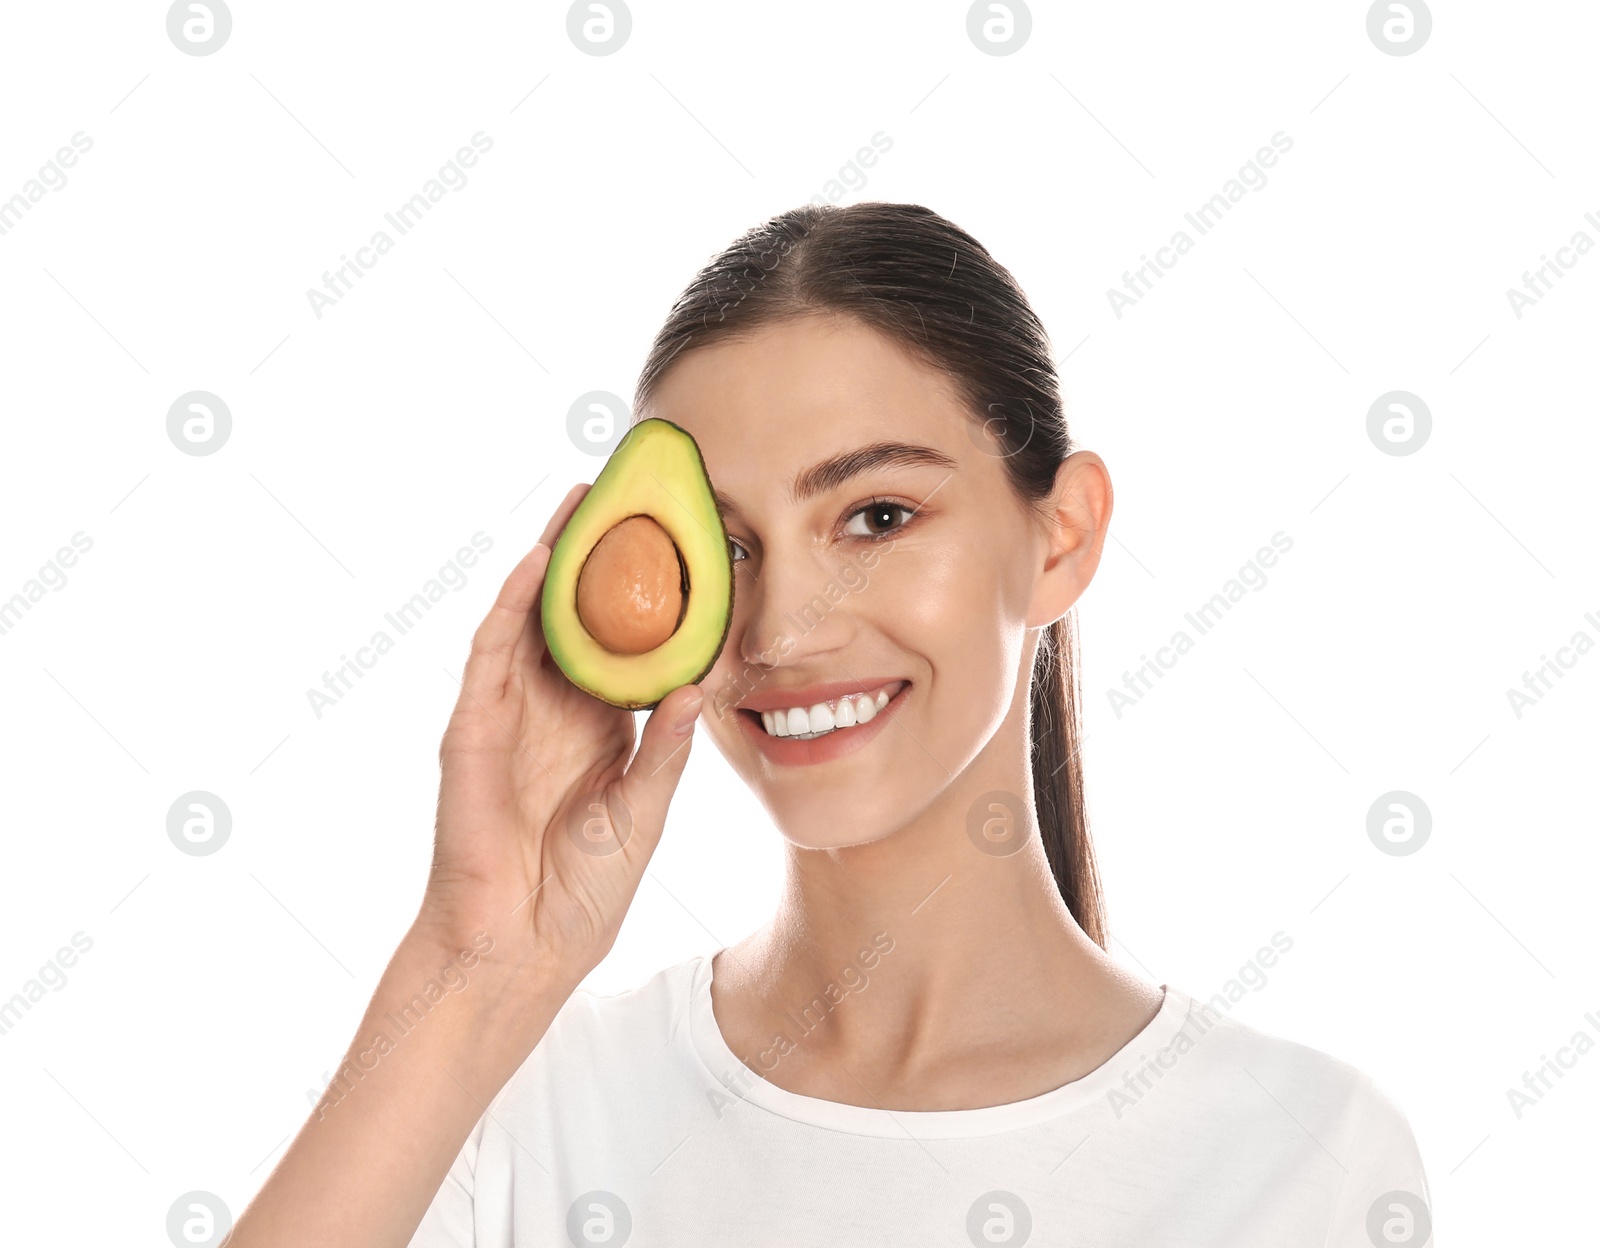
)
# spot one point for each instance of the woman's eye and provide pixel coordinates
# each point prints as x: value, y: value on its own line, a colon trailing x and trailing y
x: 879, y: 519
x: 873, y: 522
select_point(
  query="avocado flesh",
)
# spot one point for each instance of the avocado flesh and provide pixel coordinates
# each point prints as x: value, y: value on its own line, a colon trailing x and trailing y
x: 656, y: 471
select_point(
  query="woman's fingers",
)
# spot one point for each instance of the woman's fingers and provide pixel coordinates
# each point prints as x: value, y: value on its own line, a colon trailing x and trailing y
x: 652, y: 777
x: 512, y: 618
x: 489, y: 663
x: 563, y: 513
x: 530, y: 645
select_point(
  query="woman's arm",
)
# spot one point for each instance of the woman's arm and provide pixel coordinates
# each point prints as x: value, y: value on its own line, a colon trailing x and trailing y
x: 368, y: 1161
x: 544, y: 830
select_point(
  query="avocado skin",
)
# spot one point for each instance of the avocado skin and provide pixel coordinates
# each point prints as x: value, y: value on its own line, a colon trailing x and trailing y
x: 656, y: 470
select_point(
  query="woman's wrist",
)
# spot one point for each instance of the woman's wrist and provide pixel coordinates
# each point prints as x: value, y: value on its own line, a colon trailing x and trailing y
x: 493, y: 992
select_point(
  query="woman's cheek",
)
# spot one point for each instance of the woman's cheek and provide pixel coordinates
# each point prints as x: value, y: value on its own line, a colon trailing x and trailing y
x: 933, y: 591
x: 951, y: 607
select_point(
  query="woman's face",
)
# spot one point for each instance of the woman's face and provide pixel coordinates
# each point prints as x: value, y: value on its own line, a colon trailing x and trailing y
x: 857, y: 570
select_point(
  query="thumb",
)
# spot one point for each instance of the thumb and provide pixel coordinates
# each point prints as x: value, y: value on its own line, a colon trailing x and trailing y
x: 652, y: 777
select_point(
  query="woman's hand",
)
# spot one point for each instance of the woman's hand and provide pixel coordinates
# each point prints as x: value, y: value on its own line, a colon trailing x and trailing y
x: 543, y: 833
x: 544, y: 827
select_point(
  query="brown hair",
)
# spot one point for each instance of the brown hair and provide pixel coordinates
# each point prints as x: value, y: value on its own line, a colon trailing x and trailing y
x: 910, y: 274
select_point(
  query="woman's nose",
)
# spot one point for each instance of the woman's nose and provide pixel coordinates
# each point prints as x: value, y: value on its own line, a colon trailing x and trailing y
x: 795, y: 607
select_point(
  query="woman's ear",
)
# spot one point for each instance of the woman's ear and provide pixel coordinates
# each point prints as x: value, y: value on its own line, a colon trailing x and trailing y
x: 1079, y: 515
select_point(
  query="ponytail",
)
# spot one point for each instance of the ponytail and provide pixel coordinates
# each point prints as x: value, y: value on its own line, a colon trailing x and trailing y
x: 1055, y: 738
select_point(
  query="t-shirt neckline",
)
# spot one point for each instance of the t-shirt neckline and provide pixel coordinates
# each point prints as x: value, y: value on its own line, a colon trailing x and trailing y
x: 725, y: 1067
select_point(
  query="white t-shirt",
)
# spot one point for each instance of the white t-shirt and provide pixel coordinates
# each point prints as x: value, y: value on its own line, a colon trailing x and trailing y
x: 633, y: 1122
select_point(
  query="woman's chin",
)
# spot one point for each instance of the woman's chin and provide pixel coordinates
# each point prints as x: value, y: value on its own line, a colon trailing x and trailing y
x: 815, y: 829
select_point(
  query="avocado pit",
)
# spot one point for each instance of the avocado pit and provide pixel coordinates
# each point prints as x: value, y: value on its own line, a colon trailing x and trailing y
x: 632, y: 590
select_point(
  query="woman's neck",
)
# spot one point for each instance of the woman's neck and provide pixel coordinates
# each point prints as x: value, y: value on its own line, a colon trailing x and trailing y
x: 918, y: 972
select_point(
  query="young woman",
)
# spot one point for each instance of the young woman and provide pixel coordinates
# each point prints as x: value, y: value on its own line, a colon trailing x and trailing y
x: 928, y: 1044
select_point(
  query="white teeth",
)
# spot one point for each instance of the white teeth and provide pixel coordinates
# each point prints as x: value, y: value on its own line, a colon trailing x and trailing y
x: 822, y: 717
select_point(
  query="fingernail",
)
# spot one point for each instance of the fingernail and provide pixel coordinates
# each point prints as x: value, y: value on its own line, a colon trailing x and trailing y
x: 687, y: 717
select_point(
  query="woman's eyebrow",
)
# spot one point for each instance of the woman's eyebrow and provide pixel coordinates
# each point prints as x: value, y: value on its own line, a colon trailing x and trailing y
x: 835, y: 471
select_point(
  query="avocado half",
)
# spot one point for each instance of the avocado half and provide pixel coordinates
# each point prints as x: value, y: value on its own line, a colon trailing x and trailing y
x: 656, y: 471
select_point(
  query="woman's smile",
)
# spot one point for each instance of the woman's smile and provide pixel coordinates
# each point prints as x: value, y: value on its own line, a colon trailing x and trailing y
x: 812, y: 712
x: 820, y: 723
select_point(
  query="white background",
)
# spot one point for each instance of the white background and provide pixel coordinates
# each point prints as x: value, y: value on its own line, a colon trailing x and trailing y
x: 371, y: 443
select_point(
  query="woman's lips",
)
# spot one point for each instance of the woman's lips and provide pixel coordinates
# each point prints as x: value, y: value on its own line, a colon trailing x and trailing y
x: 795, y: 752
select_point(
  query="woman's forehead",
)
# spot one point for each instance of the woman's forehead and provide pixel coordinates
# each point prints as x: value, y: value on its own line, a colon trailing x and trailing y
x: 792, y: 395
